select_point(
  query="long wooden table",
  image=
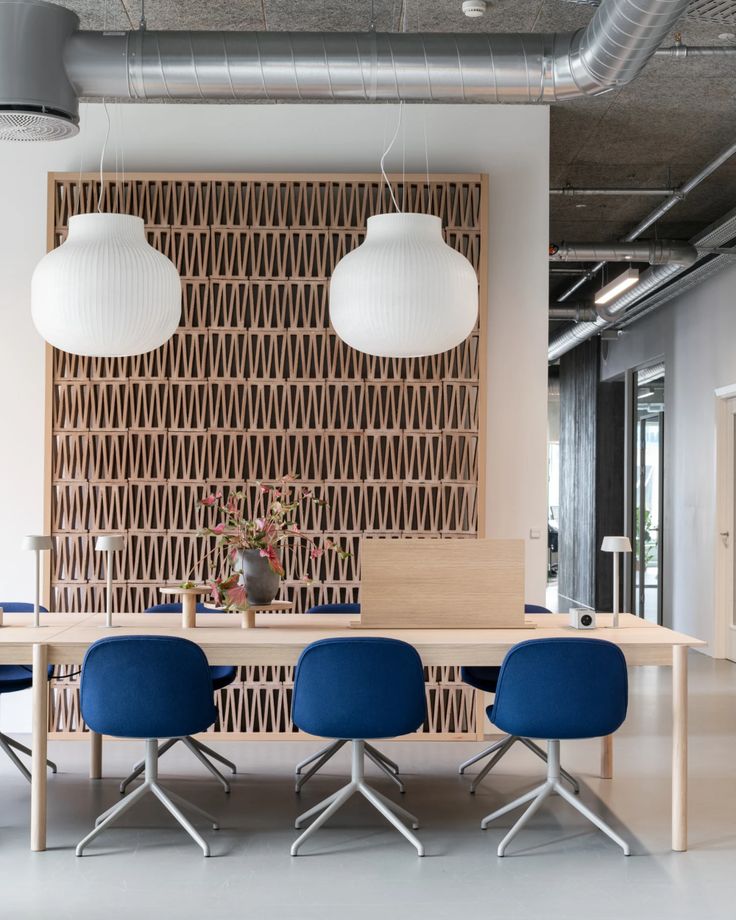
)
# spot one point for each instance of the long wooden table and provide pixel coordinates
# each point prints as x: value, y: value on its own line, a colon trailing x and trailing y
x: 64, y: 639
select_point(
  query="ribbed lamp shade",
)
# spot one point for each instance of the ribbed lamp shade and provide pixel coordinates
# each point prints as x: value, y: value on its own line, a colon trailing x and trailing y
x: 616, y: 545
x: 105, y: 292
x: 404, y: 292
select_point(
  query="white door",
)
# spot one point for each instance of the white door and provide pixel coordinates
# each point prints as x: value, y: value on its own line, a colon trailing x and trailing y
x: 726, y: 521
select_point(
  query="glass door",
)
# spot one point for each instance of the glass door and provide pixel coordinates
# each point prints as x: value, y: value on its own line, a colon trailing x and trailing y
x: 648, y: 494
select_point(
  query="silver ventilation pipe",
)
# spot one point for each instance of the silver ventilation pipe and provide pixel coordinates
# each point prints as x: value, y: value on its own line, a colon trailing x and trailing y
x: 577, y: 314
x: 650, y: 280
x: 680, y: 195
x: 655, y: 252
x: 40, y: 49
x: 569, y: 191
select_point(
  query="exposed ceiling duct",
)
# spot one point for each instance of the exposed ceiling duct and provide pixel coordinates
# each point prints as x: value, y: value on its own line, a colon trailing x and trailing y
x: 650, y: 280
x: 46, y: 64
x: 654, y: 252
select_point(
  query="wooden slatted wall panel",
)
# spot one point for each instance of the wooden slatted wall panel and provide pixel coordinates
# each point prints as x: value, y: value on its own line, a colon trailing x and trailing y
x: 254, y: 385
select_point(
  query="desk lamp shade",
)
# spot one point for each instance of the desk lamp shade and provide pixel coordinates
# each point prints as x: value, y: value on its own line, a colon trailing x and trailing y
x: 37, y: 543
x: 109, y: 543
x: 404, y: 292
x: 616, y: 545
x: 105, y: 292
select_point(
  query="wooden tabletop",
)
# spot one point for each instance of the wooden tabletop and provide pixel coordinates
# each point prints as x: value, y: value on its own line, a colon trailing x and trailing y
x: 280, y: 637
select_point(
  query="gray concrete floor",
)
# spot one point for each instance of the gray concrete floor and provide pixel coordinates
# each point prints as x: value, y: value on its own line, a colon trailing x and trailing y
x: 358, y: 868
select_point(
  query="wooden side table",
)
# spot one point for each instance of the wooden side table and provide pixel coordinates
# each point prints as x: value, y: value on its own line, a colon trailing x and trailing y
x: 188, y: 602
x: 249, y: 615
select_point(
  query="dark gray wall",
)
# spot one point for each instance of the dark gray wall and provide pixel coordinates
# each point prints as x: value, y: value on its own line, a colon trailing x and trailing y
x: 591, y: 475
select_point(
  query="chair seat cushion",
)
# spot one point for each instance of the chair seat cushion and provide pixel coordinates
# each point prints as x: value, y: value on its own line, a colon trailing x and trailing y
x: 17, y: 677
x: 481, y: 678
x: 222, y: 675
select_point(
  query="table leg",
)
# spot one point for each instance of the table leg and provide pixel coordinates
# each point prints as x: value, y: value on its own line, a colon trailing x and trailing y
x: 249, y: 619
x: 607, y: 757
x: 679, y: 748
x: 40, y: 745
x: 95, y: 755
x: 189, y: 611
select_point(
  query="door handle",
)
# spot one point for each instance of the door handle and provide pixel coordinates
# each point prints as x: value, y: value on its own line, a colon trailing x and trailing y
x: 724, y: 536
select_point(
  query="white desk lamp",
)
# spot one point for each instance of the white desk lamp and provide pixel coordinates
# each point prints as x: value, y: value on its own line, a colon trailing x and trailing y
x: 38, y: 544
x: 109, y: 544
x: 616, y: 545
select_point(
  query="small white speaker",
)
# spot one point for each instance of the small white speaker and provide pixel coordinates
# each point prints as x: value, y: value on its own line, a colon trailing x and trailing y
x: 582, y: 618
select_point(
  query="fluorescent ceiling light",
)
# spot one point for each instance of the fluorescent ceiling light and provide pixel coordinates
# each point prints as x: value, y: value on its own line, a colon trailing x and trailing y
x: 620, y: 284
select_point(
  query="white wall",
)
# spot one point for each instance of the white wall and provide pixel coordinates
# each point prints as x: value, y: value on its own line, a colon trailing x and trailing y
x: 509, y: 143
x: 695, y: 335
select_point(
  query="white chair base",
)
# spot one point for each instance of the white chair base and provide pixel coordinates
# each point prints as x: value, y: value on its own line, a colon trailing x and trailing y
x: 552, y: 786
x: 10, y: 746
x: 319, y: 759
x: 202, y: 752
x: 172, y: 802
x: 327, y: 808
x: 496, y: 752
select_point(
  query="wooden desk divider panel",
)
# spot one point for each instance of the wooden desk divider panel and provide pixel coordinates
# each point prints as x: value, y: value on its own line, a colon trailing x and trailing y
x: 254, y: 385
x: 442, y: 584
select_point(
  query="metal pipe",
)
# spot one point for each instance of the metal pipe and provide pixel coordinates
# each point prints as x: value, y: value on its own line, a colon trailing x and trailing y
x: 578, y: 314
x: 685, y: 51
x: 655, y: 252
x: 570, y: 192
x: 680, y: 194
x: 508, y: 67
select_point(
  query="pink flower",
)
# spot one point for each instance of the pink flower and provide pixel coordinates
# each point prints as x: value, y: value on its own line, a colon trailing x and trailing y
x: 218, y: 529
x: 273, y: 560
x: 316, y: 552
x: 265, y: 490
x: 211, y: 499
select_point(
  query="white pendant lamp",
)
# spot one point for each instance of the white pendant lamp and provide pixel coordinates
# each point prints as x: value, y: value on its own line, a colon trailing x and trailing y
x: 404, y: 292
x: 105, y: 292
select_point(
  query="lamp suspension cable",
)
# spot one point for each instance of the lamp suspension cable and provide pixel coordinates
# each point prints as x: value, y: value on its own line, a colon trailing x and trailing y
x: 386, y: 153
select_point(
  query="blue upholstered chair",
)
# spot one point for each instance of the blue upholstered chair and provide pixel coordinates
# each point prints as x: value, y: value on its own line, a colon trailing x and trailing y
x: 354, y: 689
x: 132, y: 687
x: 14, y: 677
x: 486, y: 679
x: 557, y: 689
x: 324, y: 754
x: 221, y: 675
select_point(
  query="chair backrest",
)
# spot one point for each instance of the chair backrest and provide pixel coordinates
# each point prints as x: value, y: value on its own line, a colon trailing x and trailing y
x: 562, y: 688
x: 176, y: 608
x: 19, y: 607
x: 132, y: 687
x: 535, y: 608
x: 335, y: 608
x: 359, y: 688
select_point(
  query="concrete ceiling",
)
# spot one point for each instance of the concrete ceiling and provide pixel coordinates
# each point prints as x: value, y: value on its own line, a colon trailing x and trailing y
x: 656, y: 132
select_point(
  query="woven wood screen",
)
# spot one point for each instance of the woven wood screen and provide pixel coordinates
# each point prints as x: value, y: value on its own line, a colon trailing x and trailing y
x: 255, y: 385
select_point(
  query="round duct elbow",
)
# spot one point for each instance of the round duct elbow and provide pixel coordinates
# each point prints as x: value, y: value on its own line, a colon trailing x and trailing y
x: 37, y: 101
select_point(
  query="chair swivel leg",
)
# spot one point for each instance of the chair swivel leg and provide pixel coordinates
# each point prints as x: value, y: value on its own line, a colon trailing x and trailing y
x: 326, y: 754
x: 542, y: 755
x: 206, y: 763
x: 140, y: 766
x: 384, y: 767
x: 214, y: 755
x: 553, y: 785
x: 325, y: 809
x: 201, y: 751
x: 379, y: 755
x: 508, y: 743
x: 330, y: 750
x: 171, y: 801
x: 483, y: 754
x: 10, y: 745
